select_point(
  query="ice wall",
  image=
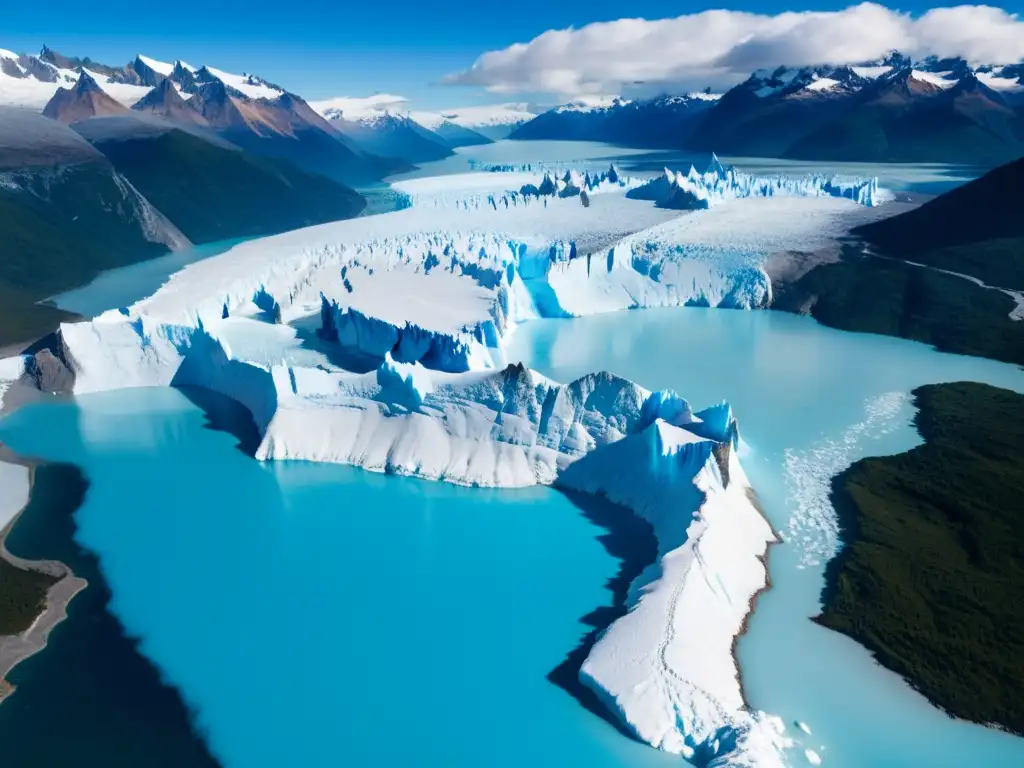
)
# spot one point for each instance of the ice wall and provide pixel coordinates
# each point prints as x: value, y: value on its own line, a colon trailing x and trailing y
x: 693, y: 191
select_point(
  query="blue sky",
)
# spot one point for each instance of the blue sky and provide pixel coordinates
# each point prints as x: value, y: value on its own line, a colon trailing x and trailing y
x: 322, y: 48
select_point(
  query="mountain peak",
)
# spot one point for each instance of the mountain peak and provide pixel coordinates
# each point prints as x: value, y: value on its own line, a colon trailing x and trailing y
x: 896, y: 60
x: 165, y: 101
x: 86, y: 84
x: 86, y: 99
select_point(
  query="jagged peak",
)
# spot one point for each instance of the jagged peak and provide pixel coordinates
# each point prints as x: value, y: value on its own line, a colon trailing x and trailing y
x: 86, y: 83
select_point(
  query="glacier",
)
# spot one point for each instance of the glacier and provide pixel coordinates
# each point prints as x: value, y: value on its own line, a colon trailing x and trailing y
x: 694, y: 191
x: 379, y: 342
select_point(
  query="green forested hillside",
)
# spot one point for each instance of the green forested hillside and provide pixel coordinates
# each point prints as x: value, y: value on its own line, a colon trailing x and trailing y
x: 931, y: 578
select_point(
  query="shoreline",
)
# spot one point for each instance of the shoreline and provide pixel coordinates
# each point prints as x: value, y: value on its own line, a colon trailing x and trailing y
x: 974, y: 558
x: 15, y: 649
x: 752, y: 603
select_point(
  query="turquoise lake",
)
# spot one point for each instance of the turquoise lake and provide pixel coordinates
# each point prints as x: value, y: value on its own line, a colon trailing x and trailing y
x: 315, y: 613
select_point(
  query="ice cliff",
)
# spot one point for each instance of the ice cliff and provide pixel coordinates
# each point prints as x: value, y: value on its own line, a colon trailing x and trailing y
x: 694, y: 191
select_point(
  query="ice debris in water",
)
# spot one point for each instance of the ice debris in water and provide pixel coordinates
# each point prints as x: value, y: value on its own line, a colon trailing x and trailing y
x: 813, y: 527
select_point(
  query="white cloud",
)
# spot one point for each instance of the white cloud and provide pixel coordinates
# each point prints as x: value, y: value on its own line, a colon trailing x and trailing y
x: 720, y: 48
x: 360, y: 106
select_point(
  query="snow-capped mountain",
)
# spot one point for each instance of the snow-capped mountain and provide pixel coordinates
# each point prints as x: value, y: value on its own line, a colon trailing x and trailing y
x: 392, y: 136
x: 662, y: 122
x: 382, y: 123
x: 166, y: 101
x: 246, y: 109
x: 379, y: 124
x: 892, y: 109
x: 82, y: 101
x: 31, y: 81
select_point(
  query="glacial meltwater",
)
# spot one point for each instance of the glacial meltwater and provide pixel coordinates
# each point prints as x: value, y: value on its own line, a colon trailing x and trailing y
x: 317, y: 614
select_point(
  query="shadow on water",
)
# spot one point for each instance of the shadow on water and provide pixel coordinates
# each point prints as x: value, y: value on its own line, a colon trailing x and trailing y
x: 631, y: 541
x: 225, y: 415
x: 90, y: 699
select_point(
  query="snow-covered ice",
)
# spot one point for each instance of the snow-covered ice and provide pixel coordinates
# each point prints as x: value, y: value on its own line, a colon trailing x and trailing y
x: 378, y: 342
x: 697, y: 191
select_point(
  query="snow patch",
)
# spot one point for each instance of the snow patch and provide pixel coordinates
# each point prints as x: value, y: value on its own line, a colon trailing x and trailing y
x: 822, y: 84
x: 355, y: 108
x: 250, y: 85
x: 160, y: 67
x: 871, y: 73
x: 997, y: 83
x: 933, y: 78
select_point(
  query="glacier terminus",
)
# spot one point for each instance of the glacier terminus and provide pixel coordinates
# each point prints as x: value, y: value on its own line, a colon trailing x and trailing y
x: 379, y: 342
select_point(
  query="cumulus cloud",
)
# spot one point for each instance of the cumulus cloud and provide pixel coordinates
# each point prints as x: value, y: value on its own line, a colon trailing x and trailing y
x: 720, y: 48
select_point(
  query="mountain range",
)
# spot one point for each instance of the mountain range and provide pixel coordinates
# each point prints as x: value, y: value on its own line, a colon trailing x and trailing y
x: 351, y: 140
x: 894, y: 109
x: 890, y: 110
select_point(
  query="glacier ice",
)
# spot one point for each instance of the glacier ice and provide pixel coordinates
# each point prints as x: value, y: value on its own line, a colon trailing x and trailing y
x: 694, y: 191
x: 379, y: 342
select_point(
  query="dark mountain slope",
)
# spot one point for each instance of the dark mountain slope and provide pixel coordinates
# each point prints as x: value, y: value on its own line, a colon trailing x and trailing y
x: 931, y: 575
x: 974, y: 230
x: 288, y: 128
x: 212, y: 192
x: 903, y: 119
x: 65, y: 216
x: 457, y: 136
x: 987, y: 208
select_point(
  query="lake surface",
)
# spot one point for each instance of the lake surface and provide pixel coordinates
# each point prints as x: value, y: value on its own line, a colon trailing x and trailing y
x: 810, y: 400
x: 318, y: 614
